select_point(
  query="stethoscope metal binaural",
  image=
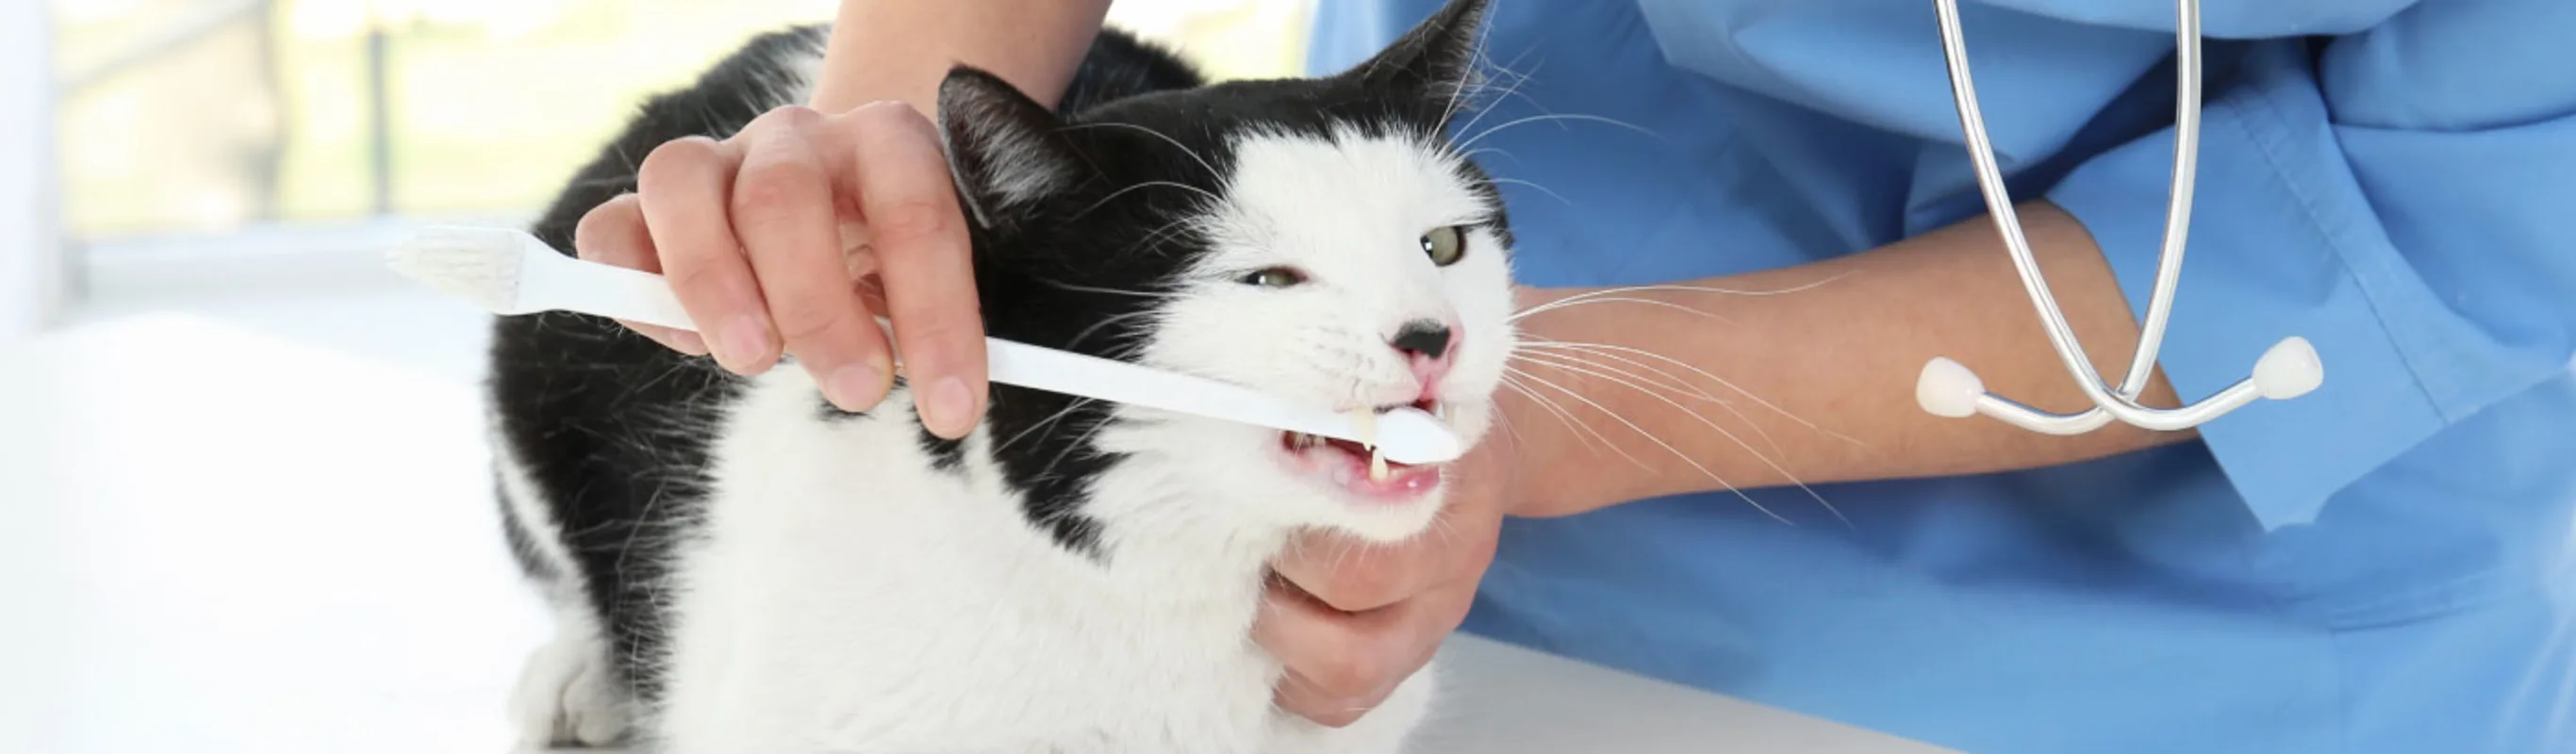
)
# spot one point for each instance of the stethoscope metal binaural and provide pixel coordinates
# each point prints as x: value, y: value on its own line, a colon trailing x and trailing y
x: 2287, y: 370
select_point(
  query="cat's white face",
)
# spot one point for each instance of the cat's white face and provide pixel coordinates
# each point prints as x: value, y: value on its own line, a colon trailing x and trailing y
x: 1320, y: 240
x: 1348, y: 271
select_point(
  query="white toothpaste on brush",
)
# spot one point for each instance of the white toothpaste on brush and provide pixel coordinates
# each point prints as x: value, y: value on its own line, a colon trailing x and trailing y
x: 1367, y: 421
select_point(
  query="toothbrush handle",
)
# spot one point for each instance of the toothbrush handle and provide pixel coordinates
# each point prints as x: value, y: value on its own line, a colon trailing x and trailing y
x: 639, y: 296
x: 1406, y: 435
x: 635, y: 295
x: 1120, y: 382
x: 607, y: 290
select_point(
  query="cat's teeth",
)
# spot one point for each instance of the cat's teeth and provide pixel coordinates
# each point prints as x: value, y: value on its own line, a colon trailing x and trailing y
x: 1377, y: 466
x: 1367, y: 421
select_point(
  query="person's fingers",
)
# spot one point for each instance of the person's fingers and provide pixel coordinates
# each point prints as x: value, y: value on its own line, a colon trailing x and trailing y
x: 1341, y: 665
x: 613, y: 233
x: 1333, y: 673
x: 787, y: 219
x: 687, y: 185
x: 918, y: 235
x: 1352, y: 575
x: 1350, y: 621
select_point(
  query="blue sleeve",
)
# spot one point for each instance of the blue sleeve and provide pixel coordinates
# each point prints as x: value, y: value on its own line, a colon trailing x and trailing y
x: 2403, y: 195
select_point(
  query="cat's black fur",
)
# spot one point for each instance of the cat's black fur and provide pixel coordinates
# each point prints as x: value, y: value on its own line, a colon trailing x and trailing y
x: 612, y: 429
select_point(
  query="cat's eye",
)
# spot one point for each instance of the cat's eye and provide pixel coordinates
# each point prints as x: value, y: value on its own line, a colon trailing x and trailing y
x: 1445, y: 245
x: 1275, y: 277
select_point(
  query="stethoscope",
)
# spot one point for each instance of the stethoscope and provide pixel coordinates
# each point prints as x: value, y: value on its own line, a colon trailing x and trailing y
x: 2287, y: 370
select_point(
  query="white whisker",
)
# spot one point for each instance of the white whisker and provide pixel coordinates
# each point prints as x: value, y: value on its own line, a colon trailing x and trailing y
x: 1470, y: 155
x: 1458, y: 91
x: 1213, y: 173
x: 1675, y: 382
x: 1480, y: 135
x: 1650, y: 437
x: 1504, y: 423
x: 1587, y: 300
x: 1631, y: 381
x: 1078, y: 442
x: 1143, y: 185
x: 1076, y: 405
x: 1104, y: 322
x: 1728, y: 384
x: 1534, y: 187
x: 1675, y: 287
x: 1518, y: 80
x: 1154, y: 240
x: 1567, y: 417
x: 1110, y: 291
x: 1730, y: 436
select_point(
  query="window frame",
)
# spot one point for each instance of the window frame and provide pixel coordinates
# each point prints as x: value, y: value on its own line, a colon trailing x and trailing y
x: 34, y: 268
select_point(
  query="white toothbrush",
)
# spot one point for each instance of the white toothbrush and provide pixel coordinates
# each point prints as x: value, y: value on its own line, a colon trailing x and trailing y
x: 512, y: 272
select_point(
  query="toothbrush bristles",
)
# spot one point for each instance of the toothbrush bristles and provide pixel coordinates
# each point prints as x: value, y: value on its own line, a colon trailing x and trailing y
x: 478, y: 266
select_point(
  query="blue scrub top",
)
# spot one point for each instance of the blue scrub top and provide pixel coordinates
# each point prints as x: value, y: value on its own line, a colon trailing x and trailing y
x: 2384, y: 565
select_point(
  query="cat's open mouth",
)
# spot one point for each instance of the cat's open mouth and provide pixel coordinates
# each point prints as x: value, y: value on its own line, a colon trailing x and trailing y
x: 1355, y: 468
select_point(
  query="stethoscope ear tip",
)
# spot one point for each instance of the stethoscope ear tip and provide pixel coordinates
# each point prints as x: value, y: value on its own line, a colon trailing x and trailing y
x: 1948, y: 388
x: 2289, y: 369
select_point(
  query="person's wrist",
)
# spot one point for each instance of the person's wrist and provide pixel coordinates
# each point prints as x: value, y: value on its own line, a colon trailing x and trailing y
x: 1534, y: 453
x: 919, y: 89
x: 1505, y: 458
x: 1536, y: 447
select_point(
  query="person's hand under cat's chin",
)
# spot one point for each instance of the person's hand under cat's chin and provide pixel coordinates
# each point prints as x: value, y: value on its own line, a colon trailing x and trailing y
x: 1352, y: 620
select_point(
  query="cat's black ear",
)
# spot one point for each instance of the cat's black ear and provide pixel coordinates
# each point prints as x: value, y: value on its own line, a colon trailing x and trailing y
x: 1437, y: 59
x: 1004, y: 149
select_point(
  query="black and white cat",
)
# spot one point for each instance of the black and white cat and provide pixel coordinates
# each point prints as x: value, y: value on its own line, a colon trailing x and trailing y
x: 735, y: 566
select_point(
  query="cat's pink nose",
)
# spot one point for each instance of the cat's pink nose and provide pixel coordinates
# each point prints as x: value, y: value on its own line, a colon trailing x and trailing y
x: 1428, y: 348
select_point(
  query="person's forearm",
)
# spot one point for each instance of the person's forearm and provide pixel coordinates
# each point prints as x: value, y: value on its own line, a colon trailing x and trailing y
x: 1842, y: 356
x: 896, y: 50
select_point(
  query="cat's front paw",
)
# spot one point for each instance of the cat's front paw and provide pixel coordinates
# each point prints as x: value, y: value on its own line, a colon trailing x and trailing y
x: 569, y: 696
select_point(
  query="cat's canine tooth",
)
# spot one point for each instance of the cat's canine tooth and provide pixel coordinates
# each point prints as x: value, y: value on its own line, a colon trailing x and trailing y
x: 1377, y: 466
x: 1367, y: 421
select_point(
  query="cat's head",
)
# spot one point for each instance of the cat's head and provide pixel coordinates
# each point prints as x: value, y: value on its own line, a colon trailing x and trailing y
x: 1321, y: 240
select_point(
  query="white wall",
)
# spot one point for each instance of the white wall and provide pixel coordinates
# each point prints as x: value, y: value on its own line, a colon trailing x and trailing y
x: 30, y: 245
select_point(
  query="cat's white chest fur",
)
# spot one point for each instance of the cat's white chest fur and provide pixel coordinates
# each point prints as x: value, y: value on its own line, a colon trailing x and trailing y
x: 845, y: 596
x: 1320, y: 240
